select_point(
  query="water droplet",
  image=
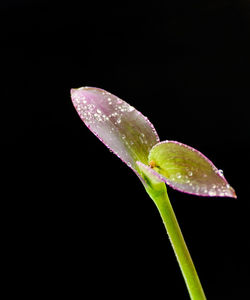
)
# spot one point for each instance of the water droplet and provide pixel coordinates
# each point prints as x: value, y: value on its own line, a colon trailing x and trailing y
x: 204, y: 190
x: 97, y: 117
x: 212, y: 193
x: 113, y: 114
x: 98, y: 111
x: 118, y: 121
x: 90, y: 107
x: 220, y: 172
x: 178, y: 175
x: 130, y: 108
x: 190, y: 173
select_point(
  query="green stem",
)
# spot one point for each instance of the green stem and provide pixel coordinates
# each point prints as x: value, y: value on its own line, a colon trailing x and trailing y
x: 184, y: 259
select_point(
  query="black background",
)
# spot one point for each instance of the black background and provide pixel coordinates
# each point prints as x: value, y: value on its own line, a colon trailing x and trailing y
x: 75, y: 219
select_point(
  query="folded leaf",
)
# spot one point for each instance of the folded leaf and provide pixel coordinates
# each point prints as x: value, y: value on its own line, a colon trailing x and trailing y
x: 122, y: 128
x: 188, y: 170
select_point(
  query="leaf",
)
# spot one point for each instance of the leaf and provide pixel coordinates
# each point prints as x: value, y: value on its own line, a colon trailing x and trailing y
x: 122, y: 128
x: 187, y: 170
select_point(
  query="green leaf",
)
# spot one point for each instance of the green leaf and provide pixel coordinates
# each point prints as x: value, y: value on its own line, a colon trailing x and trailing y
x: 187, y: 170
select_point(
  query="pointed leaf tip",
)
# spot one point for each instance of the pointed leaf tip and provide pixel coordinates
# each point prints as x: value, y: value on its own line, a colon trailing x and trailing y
x: 188, y: 170
x: 122, y: 128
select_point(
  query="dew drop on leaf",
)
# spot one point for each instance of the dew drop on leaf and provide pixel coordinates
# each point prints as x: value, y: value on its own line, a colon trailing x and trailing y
x: 211, y: 193
x: 220, y: 172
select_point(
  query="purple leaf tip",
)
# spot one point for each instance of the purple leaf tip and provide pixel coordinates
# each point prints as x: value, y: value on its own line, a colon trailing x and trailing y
x: 122, y: 128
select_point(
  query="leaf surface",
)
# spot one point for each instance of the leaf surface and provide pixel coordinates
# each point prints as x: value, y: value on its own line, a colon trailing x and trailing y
x: 188, y: 170
x: 123, y: 129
